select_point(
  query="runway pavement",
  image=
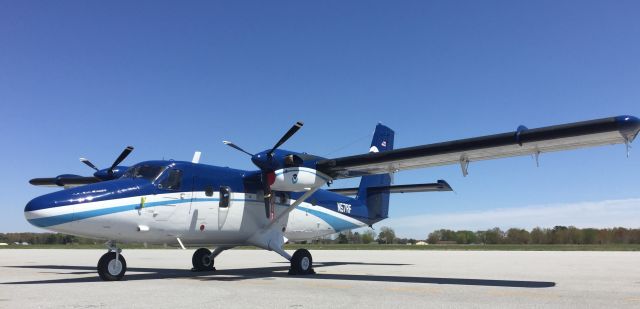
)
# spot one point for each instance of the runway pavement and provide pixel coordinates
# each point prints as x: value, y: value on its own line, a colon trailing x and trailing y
x: 51, y: 278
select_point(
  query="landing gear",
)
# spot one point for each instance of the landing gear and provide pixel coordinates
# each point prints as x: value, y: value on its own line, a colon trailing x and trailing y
x: 202, y: 260
x: 301, y: 263
x: 112, y: 265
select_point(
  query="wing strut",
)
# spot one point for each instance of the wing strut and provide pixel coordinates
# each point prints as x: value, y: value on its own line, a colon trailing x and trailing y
x: 464, y: 165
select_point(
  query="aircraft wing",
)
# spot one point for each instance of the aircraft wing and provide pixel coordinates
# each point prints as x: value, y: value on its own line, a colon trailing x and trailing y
x: 64, y: 181
x: 606, y: 131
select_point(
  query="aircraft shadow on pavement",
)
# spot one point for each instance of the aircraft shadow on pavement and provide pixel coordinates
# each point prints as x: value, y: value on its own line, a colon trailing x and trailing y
x: 134, y: 273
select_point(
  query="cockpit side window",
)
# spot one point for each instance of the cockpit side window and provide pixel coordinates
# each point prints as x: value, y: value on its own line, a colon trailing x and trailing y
x: 172, y: 180
x: 208, y: 190
x: 148, y: 172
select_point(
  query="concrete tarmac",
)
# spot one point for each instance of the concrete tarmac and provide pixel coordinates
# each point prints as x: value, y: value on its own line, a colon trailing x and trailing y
x: 51, y: 278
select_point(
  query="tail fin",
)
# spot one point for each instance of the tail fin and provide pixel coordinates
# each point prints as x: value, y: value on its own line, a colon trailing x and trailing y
x: 377, y: 202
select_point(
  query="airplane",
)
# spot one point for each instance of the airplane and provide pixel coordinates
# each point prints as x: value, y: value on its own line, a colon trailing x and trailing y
x: 182, y: 202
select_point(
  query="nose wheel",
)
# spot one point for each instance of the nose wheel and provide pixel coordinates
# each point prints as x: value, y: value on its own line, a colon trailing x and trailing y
x: 112, y: 266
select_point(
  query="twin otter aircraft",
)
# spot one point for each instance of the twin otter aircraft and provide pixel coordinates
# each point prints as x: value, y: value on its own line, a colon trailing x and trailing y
x: 191, y: 203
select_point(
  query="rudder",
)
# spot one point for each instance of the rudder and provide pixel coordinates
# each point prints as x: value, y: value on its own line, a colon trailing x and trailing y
x: 377, y: 202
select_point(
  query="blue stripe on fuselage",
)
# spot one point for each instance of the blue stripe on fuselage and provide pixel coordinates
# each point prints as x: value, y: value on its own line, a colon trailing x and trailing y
x: 69, y: 217
x: 336, y: 223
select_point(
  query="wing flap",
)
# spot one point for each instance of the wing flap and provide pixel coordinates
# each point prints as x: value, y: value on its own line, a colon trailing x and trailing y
x: 441, y: 185
x: 606, y: 131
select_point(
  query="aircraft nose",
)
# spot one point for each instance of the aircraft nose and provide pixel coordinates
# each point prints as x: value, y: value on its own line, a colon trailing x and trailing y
x: 39, y: 211
x: 35, y: 204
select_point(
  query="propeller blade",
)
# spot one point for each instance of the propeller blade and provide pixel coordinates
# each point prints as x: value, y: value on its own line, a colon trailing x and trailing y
x: 232, y: 145
x: 121, y: 158
x: 267, y: 202
x: 87, y: 162
x: 286, y: 136
x: 268, y: 197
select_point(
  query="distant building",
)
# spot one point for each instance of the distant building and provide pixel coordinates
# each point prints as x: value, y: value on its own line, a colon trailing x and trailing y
x: 3, y: 244
x: 421, y: 243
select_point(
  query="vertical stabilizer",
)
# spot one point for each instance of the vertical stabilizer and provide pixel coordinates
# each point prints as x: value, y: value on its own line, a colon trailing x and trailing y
x: 377, y: 202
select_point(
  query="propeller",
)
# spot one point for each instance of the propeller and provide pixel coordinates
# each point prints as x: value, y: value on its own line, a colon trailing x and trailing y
x: 69, y: 180
x: 87, y: 162
x: 234, y: 146
x: 118, y: 160
x: 286, y: 136
x: 266, y: 166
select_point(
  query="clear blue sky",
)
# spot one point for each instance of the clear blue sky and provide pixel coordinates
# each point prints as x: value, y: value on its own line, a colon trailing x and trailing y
x: 87, y: 78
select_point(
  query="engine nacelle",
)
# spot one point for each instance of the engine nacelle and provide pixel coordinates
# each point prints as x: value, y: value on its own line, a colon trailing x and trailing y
x: 298, y: 179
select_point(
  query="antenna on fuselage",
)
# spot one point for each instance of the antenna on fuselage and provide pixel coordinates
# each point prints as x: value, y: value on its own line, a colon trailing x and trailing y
x: 196, y: 157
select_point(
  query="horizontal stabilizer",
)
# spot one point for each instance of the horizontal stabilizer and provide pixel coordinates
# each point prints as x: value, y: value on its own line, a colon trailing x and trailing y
x: 441, y: 185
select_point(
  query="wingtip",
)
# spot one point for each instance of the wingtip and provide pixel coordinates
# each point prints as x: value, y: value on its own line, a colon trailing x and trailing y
x: 629, y: 126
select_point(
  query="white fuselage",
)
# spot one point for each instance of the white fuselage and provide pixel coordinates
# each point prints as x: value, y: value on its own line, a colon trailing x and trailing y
x: 192, y: 217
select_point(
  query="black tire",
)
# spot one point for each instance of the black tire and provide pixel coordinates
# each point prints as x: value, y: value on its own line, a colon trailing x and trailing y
x: 202, y: 260
x: 108, y: 270
x: 301, y: 263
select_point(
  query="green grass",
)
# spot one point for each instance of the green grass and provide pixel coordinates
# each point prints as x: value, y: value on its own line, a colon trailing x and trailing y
x: 610, y: 247
x: 82, y: 246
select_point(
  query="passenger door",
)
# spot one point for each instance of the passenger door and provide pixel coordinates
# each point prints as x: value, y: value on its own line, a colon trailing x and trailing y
x: 223, y: 205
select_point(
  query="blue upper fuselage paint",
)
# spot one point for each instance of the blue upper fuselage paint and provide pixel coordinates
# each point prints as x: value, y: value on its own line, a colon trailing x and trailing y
x: 200, y: 176
x: 195, y: 177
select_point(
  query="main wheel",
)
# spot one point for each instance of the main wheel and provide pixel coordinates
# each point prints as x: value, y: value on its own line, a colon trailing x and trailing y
x: 202, y: 260
x: 301, y: 263
x: 110, y: 269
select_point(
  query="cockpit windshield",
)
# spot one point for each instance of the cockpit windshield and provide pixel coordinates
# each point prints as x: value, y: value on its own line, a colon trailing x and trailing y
x: 147, y: 171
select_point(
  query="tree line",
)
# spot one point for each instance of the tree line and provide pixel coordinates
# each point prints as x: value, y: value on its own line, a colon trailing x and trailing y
x: 386, y: 235
x: 556, y: 235
x: 44, y: 239
x: 517, y: 236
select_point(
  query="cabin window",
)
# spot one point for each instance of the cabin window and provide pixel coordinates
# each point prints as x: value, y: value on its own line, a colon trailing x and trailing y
x: 292, y: 161
x: 172, y: 181
x: 208, y: 191
x: 225, y: 196
x: 282, y: 198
